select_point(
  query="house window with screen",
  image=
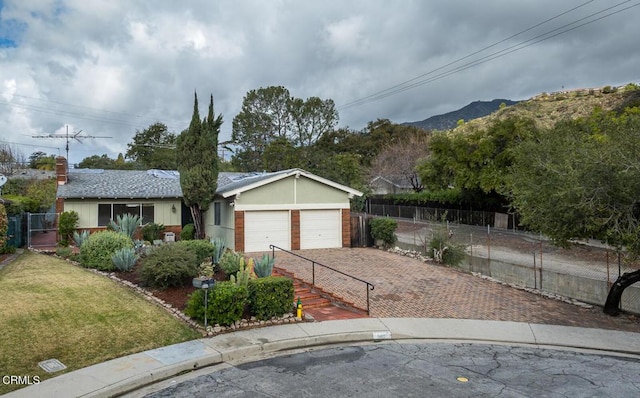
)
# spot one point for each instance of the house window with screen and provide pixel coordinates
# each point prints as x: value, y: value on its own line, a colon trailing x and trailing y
x: 110, y: 211
x: 216, y: 213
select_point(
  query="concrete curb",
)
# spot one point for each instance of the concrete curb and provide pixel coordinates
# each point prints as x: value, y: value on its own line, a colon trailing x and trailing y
x: 134, y: 371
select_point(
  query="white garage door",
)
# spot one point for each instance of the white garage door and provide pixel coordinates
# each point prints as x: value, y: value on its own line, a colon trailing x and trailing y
x: 320, y: 229
x: 264, y: 228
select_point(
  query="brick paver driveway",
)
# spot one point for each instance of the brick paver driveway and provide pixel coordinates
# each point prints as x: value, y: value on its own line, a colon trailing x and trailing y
x: 406, y: 287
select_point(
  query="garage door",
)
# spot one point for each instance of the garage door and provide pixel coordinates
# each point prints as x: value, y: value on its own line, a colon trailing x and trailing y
x: 320, y: 229
x: 264, y: 228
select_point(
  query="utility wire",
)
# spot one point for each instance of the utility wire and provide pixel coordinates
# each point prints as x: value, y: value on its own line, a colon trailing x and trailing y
x: 68, y: 104
x: 401, y: 87
x: 466, y: 56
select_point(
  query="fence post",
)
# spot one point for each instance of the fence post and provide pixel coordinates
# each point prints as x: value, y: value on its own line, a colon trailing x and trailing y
x: 28, y: 229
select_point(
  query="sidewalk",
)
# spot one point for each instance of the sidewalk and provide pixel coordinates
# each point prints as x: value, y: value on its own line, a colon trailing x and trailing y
x: 134, y: 371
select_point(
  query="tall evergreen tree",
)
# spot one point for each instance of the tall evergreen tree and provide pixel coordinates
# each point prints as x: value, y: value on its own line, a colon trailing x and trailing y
x: 197, y: 149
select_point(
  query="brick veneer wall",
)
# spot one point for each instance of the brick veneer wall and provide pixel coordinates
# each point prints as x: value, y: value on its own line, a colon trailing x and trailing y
x: 239, y: 231
x: 295, y: 229
x: 346, y: 228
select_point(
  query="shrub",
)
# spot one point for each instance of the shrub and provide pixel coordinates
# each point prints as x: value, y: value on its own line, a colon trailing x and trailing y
x: 225, y: 305
x: 230, y: 262
x: 80, y: 238
x: 96, y: 252
x: 67, y: 225
x: 270, y: 296
x: 167, y: 266
x: 152, y: 231
x: 384, y: 229
x: 444, y: 251
x: 264, y: 267
x: 124, y: 259
x: 188, y: 232
x: 4, y: 226
x: 64, y: 252
x: 126, y: 223
x: 203, y: 249
x: 6, y: 249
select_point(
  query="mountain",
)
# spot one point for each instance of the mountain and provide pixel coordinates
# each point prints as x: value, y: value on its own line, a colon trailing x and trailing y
x: 546, y: 109
x: 472, y: 111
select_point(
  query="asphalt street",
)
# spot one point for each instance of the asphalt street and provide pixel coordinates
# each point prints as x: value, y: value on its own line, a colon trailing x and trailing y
x: 417, y: 370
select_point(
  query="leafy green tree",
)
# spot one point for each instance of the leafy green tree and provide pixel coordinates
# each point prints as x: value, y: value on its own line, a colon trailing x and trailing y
x: 264, y: 117
x: 271, y: 114
x: 581, y: 179
x: 153, y: 148
x: 43, y: 192
x: 97, y: 162
x: 41, y: 161
x: 477, y: 159
x: 280, y: 154
x: 311, y: 119
x: 197, y: 151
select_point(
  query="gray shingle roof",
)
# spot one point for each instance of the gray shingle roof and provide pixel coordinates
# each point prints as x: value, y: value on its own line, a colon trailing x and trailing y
x: 146, y: 184
x: 119, y: 184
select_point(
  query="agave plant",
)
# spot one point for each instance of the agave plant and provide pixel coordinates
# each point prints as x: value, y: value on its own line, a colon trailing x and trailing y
x: 264, y: 266
x: 126, y: 223
x: 81, y: 237
x: 220, y: 247
x: 124, y: 259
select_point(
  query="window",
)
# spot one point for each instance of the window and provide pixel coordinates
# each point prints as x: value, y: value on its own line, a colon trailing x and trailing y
x: 110, y: 211
x: 217, y: 209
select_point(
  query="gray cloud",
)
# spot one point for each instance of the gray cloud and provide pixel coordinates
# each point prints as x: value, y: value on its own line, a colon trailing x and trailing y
x: 113, y: 67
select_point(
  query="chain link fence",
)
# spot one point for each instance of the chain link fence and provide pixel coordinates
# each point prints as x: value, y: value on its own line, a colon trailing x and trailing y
x: 585, y: 271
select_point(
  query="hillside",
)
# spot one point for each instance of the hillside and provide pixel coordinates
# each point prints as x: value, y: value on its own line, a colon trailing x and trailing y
x: 472, y: 111
x: 548, y: 108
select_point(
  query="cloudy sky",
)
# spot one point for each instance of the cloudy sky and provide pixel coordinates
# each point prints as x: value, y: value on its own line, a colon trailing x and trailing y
x: 112, y: 67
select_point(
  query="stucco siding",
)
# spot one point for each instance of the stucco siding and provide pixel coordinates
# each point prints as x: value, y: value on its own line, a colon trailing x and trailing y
x: 164, y: 214
x: 277, y: 192
x: 88, y: 211
x: 292, y: 191
x: 226, y: 228
x: 310, y: 191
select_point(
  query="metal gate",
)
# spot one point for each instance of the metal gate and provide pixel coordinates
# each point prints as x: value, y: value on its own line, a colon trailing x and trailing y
x: 15, y: 232
x: 42, y: 230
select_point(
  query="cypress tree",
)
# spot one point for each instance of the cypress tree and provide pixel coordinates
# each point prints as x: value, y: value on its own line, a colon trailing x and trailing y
x: 197, y: 149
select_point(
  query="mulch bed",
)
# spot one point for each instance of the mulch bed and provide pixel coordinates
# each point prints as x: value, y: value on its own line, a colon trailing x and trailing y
x: 177, y: 297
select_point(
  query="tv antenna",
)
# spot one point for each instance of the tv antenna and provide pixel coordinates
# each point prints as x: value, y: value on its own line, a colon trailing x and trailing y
x: 68, y: 137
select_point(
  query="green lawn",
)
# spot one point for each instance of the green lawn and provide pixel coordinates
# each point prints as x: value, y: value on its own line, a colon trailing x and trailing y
x: 52, y: 309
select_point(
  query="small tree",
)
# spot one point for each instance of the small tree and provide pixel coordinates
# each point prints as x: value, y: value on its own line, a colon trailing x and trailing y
x: 384, y: 229
x: 197, y: 149
x: 67, y: 225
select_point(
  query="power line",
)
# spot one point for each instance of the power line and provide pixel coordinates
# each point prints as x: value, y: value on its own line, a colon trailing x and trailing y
x: 68, y: 104
x: 401, y: 87
x: 37, y: 146
x: 347, y: 105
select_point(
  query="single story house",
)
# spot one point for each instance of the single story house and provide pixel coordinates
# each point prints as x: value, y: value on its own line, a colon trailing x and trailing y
x: 292, y: 209
x: 384, y: 185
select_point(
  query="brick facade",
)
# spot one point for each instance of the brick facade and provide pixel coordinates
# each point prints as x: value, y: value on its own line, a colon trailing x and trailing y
x: 239, y: 230
x: 346, y: 228
x: 61, y: 170
x: 295, y: 229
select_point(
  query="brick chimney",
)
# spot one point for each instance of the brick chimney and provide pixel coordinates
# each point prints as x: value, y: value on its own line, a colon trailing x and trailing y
x: 62, y: 170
